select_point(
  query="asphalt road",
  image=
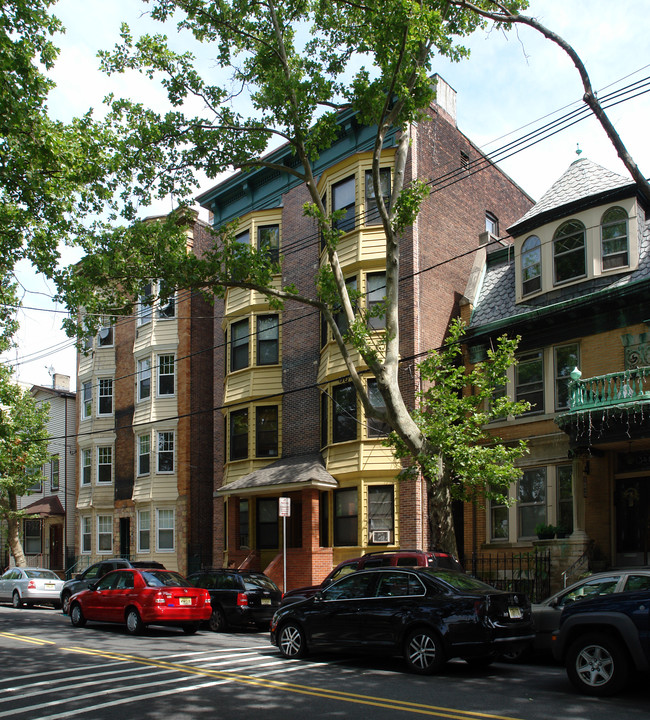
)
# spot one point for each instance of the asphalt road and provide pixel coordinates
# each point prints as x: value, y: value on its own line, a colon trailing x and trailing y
x: 53, y: 671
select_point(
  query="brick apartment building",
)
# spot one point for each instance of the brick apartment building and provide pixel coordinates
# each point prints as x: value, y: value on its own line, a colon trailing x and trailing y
x: 145, y: 430
x: 292, y: 426
x: 574, y: 286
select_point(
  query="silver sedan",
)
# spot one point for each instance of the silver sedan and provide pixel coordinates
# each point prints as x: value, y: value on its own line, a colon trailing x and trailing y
x: 21, y: 586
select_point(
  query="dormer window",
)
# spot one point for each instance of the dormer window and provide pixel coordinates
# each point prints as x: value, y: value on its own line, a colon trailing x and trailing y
x: 614, y: 236
x: 569, y: 252
x: 531, y: 265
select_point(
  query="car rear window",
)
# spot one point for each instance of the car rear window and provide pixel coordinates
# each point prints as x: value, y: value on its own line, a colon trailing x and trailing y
x: 255, y: 582
x: 460, y: 581
x: 164, y: 578
x: 44, y: 574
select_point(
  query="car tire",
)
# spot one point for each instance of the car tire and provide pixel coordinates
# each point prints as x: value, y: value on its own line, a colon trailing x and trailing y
x: 16, y: 600
x: 65, y: 603
x: 217, y: 621
x: 134, y: 624
x: 597, y: 665
x: 423, y: 652
x: 291, y: 641
x: 77, y: 618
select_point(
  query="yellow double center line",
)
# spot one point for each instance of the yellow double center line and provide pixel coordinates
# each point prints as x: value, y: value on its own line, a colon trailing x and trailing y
x: 27, y: 639
x: 385, y: 703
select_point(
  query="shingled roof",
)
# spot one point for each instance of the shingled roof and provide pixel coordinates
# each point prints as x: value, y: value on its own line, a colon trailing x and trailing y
x: 583, y: 179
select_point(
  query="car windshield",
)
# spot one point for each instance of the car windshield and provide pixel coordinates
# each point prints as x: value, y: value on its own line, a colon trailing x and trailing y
x: 43, y: 574
x: 164, y: 578
x: 459, y: 581
x: 255, y: 582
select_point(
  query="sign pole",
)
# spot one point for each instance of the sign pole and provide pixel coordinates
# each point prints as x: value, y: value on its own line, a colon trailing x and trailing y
x: 284, y: 507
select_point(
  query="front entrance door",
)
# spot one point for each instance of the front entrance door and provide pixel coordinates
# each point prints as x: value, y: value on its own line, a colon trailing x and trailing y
x: 56, y: 547
x: 632, y: 499
x: 125, y: 537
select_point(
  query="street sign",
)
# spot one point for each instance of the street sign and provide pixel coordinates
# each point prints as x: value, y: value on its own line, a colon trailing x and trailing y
x: 284, y: 507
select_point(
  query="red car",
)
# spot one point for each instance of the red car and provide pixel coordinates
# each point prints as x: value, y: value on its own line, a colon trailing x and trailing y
x: 139, y: 598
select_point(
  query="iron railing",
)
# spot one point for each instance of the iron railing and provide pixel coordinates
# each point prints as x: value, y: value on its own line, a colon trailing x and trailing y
x: 525, y: 572
x: 627, y: 386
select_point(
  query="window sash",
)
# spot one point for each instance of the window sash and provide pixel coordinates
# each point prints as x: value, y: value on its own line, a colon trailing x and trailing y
x: 565, y: 359
x: 614, y: 239
x: 569, y: 252
x: 531, y: 501
x: 531, y: 265
x: 32, y: 534
x: 372, y: 211
x: 376, y: 428
x: 346, y: 517
x: 144, y: 530
x: 87, y: 400
x: 343, y: 198
x: 166, y: 528
x: 105, y: 533
x: 268, y: 241
x: 239, y: 434
x: 55, y: 470
x: 144, y: 379
x: 165, y: 462
x: 529, y: 383
x: 166, y: 375
x: 345, y: 413
x: 104, y: 464
x: 86, y: 534
x: 166, y: 301
x: 381, y: 499
x: 266, y: 431
x: 144, y: 307
x: 86, y: 465
x: 339, y: 317
x: 268, y: 330
x: 105, y: 397
x: 144, y: 454
x: 105, y: 336
x: 239, y: 339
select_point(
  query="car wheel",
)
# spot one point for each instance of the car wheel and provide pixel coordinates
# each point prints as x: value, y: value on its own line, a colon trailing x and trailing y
x: 597, y: 665
x: 191, y: 628
x: 77, y: 616
x: 423, y: 652
x: 134, y: 624
x: 16, y: 600
x: 65, y: 603
x: 217, y: 621
x: 291, y: 641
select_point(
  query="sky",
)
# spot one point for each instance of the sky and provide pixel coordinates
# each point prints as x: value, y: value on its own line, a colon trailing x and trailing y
x: 512, y: 84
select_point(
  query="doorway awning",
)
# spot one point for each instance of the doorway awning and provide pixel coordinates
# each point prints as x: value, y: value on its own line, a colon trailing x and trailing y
x: 284, y: 475
x: 45, y: 507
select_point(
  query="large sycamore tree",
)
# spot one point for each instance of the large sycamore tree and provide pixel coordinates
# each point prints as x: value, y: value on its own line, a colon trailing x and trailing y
x: 293, y: 65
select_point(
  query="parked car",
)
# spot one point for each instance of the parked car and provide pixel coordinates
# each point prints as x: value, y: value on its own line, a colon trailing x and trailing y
x: 238, y: 597
x: 546, y: 615
x: 96, y: 572
x: 603, y: 641
x: 427, y: 616
x: 29, y: 586
x: 381, y: 558
x: 139, y: 598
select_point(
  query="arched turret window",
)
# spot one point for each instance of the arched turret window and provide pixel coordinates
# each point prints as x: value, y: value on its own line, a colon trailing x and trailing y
x: 569, y: 251
x: 614, y: 235
x: 531, y: 265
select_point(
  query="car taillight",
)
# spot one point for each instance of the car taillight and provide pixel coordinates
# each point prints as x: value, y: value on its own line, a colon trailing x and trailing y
x: 242, y: 600
x: 31, y: 585
x: 159, y: 599
x: 480, y: 609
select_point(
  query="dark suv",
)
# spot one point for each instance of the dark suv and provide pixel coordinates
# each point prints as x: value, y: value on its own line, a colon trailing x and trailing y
x: 96, y: 572
x: 603, y: 641
x: 384, y: 558
x: 239, y: 597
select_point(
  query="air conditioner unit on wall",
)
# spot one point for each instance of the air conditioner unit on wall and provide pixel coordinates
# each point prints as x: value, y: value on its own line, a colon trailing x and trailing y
x: 380, y: 536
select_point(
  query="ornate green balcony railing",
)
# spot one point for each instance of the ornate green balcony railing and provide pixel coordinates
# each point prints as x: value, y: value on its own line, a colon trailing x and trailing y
x: 621, y: 388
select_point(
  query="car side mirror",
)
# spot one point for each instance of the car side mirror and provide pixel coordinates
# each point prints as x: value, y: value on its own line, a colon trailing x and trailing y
x: 78, y: 576
x: 318, y: 595
x: 93, y: 586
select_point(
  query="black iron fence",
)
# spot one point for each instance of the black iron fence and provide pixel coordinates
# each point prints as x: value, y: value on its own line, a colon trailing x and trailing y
x: 525, y: 572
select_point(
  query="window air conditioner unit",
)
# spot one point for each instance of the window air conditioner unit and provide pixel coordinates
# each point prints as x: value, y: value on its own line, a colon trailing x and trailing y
x: 380, y: 536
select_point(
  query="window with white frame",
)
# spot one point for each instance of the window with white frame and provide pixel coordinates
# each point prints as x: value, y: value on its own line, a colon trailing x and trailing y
x: 33, y: 542
x: 144, y: 454
x: 105, y: 397
x: 529, y: 380
x: 105, y: 464
x: 105, y: 336
x: 166, y: 301
x: 54, y: 473
x: 165, y: 530
x: 166, y: 375
x: 144, y: 530
x: 145, y: 304
x: 531, y: 265
x: 144, y: 378
x: 492, y: 223
x: 569, y: 252
x: 531, y: 501
x: 614, y: 239
x: 86, y: 400
x: 565, y: 360
x: 166, y: 451
x: 86, y: 466
x: 381, y: 511
x: 105, y: 533
x: 86, y: 533
x: 372, y: 211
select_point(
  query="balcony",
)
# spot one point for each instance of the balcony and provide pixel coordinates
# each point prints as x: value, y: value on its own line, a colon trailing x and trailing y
x: 608, y: 408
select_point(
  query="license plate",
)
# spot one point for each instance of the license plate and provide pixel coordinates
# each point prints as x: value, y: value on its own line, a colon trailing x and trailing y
x: 266, y: 601
x: 515, y: 613
x: 184, y: 601
x: 49, y: 586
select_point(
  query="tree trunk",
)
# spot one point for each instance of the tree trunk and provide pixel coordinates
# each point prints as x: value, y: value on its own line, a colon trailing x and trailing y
x: 443, y: 536
x: 13, y: 531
